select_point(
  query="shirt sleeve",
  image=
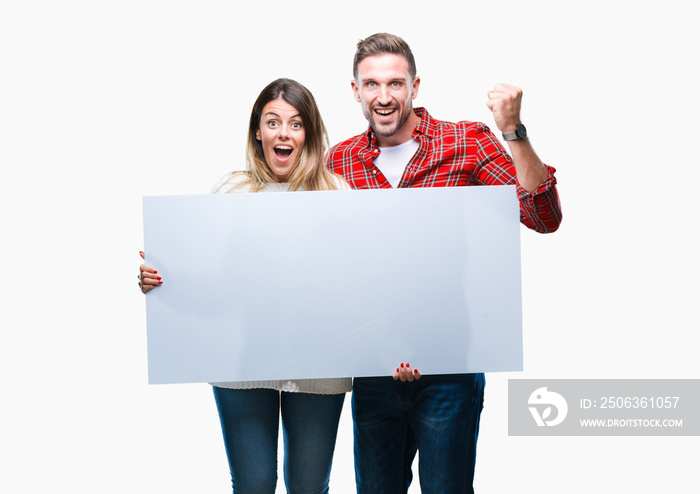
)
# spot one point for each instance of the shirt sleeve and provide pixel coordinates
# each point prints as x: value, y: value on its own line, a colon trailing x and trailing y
x: 540, y: 209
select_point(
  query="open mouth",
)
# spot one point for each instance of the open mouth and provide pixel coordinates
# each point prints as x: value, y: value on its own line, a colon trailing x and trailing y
x: 283, y: 152
x: 384, y: 112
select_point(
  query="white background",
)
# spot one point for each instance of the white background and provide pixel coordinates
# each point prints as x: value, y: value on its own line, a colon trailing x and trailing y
x: 104, y: 102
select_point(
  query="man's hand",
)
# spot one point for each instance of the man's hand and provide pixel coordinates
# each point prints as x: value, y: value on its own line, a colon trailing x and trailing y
x: 404, y: 373
x: 504, y: 102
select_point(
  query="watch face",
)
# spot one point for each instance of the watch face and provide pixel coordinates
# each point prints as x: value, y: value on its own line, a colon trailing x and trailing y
x: 520, y: 131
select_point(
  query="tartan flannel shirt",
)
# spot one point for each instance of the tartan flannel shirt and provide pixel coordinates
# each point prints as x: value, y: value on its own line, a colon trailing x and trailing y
x: 449, y: 154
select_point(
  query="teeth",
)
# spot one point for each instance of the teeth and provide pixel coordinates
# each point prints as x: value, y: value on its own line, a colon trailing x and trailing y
x: 385, y: 112
x: 280, y: 146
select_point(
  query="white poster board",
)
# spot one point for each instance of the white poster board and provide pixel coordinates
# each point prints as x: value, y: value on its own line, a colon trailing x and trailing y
x: 333, y: 284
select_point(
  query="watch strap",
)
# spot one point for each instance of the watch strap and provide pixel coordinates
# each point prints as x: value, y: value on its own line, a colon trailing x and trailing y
x: 520, y: 133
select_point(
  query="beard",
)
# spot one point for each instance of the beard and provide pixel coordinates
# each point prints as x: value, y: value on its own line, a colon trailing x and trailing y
x: 391, y: 128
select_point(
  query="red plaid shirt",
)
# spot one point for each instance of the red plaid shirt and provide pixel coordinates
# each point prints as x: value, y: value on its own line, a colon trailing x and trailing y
x: 449, y: 154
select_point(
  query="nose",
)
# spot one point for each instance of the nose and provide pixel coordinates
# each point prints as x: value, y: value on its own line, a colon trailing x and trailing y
x: 384, y: 98
x: 284, y: 132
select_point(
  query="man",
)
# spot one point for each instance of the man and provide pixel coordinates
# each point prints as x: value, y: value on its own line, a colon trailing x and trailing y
x: 405, y: 147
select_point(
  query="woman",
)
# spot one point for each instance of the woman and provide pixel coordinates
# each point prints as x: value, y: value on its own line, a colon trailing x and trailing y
x: 286, y: 145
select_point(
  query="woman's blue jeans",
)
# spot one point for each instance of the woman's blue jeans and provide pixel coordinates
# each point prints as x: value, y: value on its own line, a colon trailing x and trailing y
x: 437, y: 415
x: 249, y: 422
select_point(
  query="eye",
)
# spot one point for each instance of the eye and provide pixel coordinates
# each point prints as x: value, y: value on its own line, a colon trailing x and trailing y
x: 272, y: 124
x: 297, y: 125
x: 370, y: 84
x: 396, y: 84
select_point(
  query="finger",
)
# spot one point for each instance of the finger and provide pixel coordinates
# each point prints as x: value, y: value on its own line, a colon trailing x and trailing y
x: 396, y: 374
x: 507, y: 88
x: 505, y: 91
x: 147, y: 282
x: 147, y: 269
x: 143, y: 256
x: 509, y: 94
x: 504, y: 88
x: 152, y: 275
x: 402, y: 373
x: 151, y: 282
x: 498, y: 97
x: 405, y: 374
x: 495, y: 101
x: 416, y: 374
x: 149, y: 277
x: 144, y: 288
x: 409, y: 373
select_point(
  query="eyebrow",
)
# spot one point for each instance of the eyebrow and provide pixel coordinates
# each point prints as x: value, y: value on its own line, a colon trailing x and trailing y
x: 276, y: 115
x: 372, y: 79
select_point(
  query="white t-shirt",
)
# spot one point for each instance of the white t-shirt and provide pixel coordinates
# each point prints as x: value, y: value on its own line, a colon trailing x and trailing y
x: 392, y: 160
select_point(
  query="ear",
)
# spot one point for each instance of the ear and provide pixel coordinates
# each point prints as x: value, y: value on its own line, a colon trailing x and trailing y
x: 355, y: 90
x: 414, y: 87
x: 257, y: 135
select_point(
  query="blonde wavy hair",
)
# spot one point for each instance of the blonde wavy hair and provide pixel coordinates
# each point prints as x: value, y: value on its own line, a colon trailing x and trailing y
x: 310, y: 172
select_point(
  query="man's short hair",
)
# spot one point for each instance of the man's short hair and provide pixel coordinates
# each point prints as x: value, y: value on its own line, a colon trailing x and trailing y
x: 381, y: 44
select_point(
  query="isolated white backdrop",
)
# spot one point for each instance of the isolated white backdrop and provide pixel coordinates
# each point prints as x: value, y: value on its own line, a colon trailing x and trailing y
x: 102, y: 103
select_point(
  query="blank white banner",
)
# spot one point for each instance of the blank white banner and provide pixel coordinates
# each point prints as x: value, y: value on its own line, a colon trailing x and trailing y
x: 333, y: 284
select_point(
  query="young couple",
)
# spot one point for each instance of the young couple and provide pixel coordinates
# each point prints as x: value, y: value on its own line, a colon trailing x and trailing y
x: 394, y: 416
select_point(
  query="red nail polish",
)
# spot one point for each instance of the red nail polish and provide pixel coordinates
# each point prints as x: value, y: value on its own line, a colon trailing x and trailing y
x: 415, y: 371
x: 159, y: 277
x: 160, y: 282
x: 401, y: 364
x: 397, y: 369
x: 155, y: 272
x: 408, y: 365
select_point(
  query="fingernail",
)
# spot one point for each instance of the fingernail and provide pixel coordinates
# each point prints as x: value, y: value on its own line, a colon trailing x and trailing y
x: 160, y: 282
x: 408, y: 365
x: 159, y: 277
x: 415, y: 371
x: 155, y: 272
x: 397, y: 369
x: 401, y: 364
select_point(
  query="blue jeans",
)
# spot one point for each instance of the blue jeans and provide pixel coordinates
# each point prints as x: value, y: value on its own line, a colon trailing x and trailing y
x: 249, y: 422
x: 436, y: 415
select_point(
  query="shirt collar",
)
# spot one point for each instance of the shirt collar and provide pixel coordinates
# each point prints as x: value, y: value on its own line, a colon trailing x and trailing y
x: 426, y: 126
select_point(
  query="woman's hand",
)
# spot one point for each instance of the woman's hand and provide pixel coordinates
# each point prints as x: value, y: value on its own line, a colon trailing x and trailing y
x: 148, y: 277
x: 404, y: 373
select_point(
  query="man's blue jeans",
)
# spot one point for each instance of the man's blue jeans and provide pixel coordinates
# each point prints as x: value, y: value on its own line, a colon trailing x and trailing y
x: 249, y: 422
x: 436, y: 415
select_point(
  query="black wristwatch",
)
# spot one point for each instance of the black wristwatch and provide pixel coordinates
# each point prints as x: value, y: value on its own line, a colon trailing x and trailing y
x: 520, y: 133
